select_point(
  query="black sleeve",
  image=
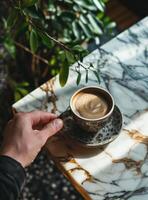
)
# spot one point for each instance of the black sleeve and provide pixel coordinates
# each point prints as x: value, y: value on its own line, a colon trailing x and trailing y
x: 12, y: 178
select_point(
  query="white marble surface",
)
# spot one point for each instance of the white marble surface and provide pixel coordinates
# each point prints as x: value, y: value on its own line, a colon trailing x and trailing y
x: 119, y: 170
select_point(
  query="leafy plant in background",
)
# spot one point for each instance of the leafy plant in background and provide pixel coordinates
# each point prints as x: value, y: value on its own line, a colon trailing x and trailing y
x: 53, y: 32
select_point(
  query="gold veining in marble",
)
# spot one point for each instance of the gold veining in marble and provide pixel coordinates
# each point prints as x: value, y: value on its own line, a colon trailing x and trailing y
x: 49, y: 87
x: 87, y: 174
x: 136, y: 135
x: 130, y: 163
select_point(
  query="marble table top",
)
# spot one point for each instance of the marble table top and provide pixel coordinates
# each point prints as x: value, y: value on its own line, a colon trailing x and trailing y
x: 118, y: 170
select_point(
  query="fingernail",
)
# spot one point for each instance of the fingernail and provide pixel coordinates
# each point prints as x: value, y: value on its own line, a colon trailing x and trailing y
x: 58, y: 123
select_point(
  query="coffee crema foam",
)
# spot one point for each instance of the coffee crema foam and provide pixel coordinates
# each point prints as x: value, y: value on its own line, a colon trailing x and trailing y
x: 90, y: 106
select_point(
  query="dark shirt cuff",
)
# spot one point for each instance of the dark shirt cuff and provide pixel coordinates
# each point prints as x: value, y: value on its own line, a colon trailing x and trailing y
x: 14, y: 170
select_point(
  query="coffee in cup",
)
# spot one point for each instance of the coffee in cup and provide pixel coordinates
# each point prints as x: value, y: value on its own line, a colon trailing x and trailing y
x: 91, y: 106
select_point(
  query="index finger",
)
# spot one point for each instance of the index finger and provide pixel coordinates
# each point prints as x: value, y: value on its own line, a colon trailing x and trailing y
x: 42, y: 117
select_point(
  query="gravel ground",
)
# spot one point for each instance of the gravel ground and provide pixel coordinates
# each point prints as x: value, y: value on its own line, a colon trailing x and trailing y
x: 45, y: 182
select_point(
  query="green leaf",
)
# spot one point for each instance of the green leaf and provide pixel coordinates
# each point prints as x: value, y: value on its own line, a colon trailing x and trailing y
x: 69, y: 1
x: 32, y: 12
x: 100, y: 15
x: 52, y: 61
x: 85, y: 29
x: 83, y: 19
x: 10, y: 47
x: 84, y: 53
x: 91, y: 65
x: 97, y: 76
x: 66, y: 36
x: 51, y: 6
x: 94, y: 24
x: 62, y: 56
x: 22, y: 91
x: 78, y: 78
x: 67, y: 16
x: 111, y: 25
x: 106, y: 20
x: 12, y: 18
x: 4, y: 23
x: 79, y: 9
x: 46, y: 40
x: 33, y: 41
x: 23, y: 84
x: 86, y: 77
x: 85, y: 4
x: 76, y: 30
x: 17, y: 96
x: 63, y: 76
x: 77, y: 48
x: 54, y: 72
x: 70, y: 57
x: 99, y: 4
x: 28, y: 3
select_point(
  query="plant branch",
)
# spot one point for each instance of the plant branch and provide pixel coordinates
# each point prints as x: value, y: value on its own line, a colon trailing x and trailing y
x: 29, y: 51
x: 59, y: 43
x: 83, y: 65
x: 52, y: 38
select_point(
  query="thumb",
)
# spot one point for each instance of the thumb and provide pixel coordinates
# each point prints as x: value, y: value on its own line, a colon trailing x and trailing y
x: 51, y: 128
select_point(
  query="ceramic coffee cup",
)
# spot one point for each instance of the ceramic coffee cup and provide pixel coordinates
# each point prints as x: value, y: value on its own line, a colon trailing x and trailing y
x: 91, y: 107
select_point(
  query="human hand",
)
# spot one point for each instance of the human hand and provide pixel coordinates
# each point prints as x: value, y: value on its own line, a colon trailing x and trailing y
x: 26, y: 133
